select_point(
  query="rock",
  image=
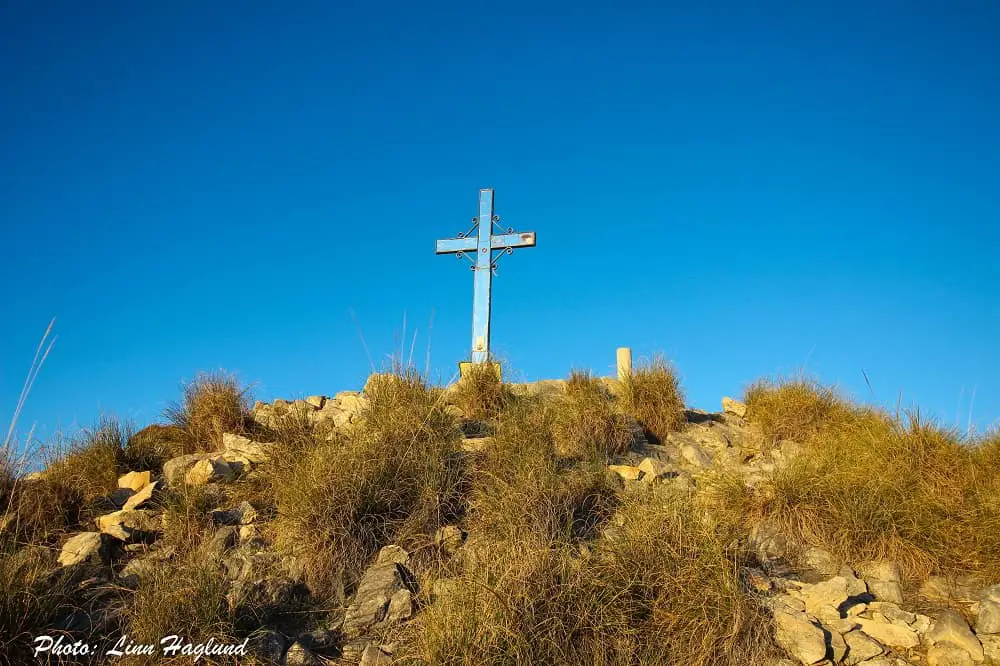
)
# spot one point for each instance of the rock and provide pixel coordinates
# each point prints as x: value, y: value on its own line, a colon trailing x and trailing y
x: 861, y: 647
x: 735, y: 407
x: 374, y: 656
x: 119, y: 496
x: 946, y: 654
x: 449, y: 538
x: 626, y: 472
x: 895, y: 634
x: 988, y: 621
x: 224, y: 539
x: 836, y: 646
x: 837, y: 592
x: 175, y: 469
x: 268, y: 647
x: 244, y: 447
x: 134, y: 480
x: 86, y: 547
x: 886, y: 590
x: 209, y: 470
x: 820, y: 560
x: 129, y: 524
x: 142, y: 496
x: 299, y: 655
x: 653, y: 469
x: 695, y: 455
x: 799, y: 637
x: 891, y: 612
x: 991, y: 647
x: 886, y: 570
x: 241, y: 514
x: 316, y: 401
x: 376, y: 601
x: 944, y: 589
x: 950, y: 627
x: 769, y: 542
x: 352, y: 651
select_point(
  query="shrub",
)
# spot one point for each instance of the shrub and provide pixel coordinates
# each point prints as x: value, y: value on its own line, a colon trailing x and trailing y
x: 653, y: 396
x: 212, y: 405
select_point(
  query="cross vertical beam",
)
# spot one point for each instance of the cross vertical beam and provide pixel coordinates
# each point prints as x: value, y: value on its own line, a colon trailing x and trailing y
x: 483, y: 282
x: 483, y: 245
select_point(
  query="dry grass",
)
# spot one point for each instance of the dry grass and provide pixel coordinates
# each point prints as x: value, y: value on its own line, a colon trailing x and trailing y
x: 794, y: 409
x: 523, y: 487
x: 481, y: 394
x: 666, y: 590
x: 212, y: 405
x: 652, y: 395
x: 869, y: 486
x: 394, y: 477
x: 585, y: 422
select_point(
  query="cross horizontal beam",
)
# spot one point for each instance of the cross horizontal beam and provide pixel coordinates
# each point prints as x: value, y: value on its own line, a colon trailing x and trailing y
x: 499, y: 242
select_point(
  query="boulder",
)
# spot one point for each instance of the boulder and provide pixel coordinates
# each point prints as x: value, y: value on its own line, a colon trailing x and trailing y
x: 143, y: 495
x: 238, y: 446
x: 316, y: 401
x: 861, y: 647
x: 129, y: 524
x: 626, y: 472
x: 375, y: 656
x: 653, y: 469
x: 175, y: 469
x: 988, y: 621
x: 735, y: 407
x: 84, y: 548
x: 241, y: 514
x: 946, y: 654
x: 837, y: 592
x: 134, y: 480
x: 799, y: 637
x: 950, y: 627
x: 895, y: 634
x: 884, y: 580
x: 209, y: 470
x: 695, y: 455
x: 379, y: 599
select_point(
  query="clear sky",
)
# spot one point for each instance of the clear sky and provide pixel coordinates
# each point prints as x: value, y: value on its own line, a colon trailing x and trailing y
x: 751, y: 188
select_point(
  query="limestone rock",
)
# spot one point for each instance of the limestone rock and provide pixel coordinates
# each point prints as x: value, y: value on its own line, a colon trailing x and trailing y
x: 950, y: 627
x: 799, y: 637
x: 988, y: 621
x: 820, y: 560
x: 695, y: 455
x: 316, y: 401
x: 377, y: 601
x: 626, y: 472
x: 299, y: 655
x: 175, y: 469
x: 653, y: 469
x: 142, y: 496
x: 374, y: 656
x: 861, y: 647
x: 894, y: 634
x: 946, y: 654
x: 735, y: 407
x: 835, y: 592
x: 86, y: 547
x: 945, y: 589
x: 209, y: 470
x: 991, y: 647
x: 241, y: 514
x: 244, y: 447
x: 129, y: 524
x: 134, y: 480
x: 836, y: 646
x: 449, y: 538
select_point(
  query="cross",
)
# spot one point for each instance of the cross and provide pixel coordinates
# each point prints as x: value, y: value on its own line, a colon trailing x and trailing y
x: 483, y: 245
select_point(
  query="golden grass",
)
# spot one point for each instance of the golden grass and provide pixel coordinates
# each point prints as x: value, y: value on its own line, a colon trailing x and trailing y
x: 395, y: 477
x: 665, y: 590
x: 481, y: 394
x: 585, y: 421
x: 212, y: 405
x: 870, y: 486
x: 653, y: 396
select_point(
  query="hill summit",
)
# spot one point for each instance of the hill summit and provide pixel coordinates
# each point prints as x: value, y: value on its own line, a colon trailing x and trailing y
x: 579, y: 521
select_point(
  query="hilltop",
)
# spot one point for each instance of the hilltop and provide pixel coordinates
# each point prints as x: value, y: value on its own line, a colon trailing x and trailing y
x: 573, y: 521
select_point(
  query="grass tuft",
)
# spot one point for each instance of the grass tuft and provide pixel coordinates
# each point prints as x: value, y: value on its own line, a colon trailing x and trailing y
x: 585, y: 422
x: 795, y: 409
x: 212, y: 405
x: 652, y: 395
x: 481, y: 394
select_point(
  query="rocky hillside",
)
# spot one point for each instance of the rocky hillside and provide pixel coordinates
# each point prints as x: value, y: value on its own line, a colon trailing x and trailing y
x: 580, y: 521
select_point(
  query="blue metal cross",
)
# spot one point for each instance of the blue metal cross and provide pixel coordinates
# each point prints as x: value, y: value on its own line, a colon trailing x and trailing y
x: 483, y: 245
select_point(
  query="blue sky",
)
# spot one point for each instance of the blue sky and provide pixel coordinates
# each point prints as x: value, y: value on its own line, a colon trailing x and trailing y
x: 752, y: 191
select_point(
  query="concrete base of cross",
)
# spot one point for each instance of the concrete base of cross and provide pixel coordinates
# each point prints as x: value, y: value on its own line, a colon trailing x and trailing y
x: 465, y: 367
